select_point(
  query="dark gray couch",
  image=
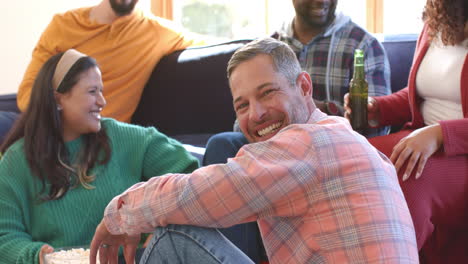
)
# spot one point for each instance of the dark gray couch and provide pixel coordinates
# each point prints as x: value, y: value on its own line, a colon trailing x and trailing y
x: 187, y: 96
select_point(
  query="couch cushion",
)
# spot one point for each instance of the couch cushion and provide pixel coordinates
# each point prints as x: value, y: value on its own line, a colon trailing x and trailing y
x: 400, y: 51
x: 188, y: 92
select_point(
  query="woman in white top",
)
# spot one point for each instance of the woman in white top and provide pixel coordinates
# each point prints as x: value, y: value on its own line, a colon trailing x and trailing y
x: 431, y: 152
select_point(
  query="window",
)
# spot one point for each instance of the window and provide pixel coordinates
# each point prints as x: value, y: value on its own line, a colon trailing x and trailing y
x: 403, y: 16
x: 356, y: 9
x: 228, y: 19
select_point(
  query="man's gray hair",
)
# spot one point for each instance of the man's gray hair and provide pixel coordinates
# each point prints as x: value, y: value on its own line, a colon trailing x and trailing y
x: 284, y: 59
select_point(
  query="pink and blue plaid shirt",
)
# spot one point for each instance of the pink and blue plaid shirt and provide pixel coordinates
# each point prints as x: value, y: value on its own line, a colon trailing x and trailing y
x: 319, y: 191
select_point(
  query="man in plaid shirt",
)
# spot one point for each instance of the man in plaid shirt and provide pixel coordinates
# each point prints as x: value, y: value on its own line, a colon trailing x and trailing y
x: 325, y: 48
x: 324, y: 41
x: 318, y: 190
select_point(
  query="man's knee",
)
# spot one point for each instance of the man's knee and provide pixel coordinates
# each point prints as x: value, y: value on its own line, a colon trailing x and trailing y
x: 225, y: 139
x: 222, y: 146
x: 185, y: 244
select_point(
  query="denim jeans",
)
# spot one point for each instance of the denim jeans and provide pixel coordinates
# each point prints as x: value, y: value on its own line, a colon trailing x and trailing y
x: 222, y: 146
x: 246, y: 236
x: 177, y: 244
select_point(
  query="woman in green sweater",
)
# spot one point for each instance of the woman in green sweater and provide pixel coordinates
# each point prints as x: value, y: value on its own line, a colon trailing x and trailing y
x: 62, y: 163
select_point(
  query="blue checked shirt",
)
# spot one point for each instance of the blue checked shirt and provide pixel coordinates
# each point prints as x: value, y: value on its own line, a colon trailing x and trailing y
x: 328, y: 58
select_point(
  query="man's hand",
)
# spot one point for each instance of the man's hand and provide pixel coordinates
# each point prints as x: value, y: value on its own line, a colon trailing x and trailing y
x: 373, y: 113
x: 147, y: 241
x: 108, y: 246
x: 46, y: 249
x: 417, y: 147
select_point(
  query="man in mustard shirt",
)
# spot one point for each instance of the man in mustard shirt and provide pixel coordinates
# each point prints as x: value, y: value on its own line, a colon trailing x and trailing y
x: 126, y: 43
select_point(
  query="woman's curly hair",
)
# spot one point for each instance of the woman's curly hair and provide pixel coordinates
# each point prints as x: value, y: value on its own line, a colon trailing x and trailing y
x: 447, y: 17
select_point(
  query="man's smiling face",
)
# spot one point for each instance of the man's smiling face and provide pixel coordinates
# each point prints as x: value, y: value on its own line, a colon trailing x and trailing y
x: 264, y: 100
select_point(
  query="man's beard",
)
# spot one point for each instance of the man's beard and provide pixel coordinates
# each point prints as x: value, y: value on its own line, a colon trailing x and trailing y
x: 319, y: 24
x: 122, y: 9
x: 305, y: 16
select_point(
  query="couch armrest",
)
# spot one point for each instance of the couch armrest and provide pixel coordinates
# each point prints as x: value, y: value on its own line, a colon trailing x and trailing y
x: 8, y: 103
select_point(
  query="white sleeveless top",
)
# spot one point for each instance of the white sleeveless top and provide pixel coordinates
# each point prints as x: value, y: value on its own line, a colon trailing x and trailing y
x: 438, y: 81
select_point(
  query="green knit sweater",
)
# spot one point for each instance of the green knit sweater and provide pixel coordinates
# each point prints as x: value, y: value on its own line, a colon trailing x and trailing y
x: 26, y: 223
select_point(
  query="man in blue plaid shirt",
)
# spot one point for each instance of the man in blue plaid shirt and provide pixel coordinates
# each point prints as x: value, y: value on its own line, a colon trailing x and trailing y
x: 324, y: 41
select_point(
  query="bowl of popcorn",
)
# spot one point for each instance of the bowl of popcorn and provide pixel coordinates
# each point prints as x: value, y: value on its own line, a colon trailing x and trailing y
x: 68, y: 256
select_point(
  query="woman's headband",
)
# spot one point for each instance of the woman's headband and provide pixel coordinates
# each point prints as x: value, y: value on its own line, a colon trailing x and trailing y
x: 67, y: 60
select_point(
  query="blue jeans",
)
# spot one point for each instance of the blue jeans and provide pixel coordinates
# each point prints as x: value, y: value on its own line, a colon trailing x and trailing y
x: 222, y: 146
x: 177, y: 244
x: 7, y: 119
x: 246, y: 236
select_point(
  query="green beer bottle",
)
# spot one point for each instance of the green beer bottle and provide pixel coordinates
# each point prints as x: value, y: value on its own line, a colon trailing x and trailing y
x: 358, y: 92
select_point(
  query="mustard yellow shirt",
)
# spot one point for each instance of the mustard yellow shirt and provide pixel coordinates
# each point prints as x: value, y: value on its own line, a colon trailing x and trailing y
x: 126, y: 50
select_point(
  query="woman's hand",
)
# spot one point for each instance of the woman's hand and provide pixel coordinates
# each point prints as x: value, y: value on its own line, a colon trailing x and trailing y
x: 416, y: 148
x: 46, y: 249
x: 373, y: 113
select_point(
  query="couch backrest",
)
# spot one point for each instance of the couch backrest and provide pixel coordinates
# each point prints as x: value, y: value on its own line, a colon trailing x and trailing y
x: 188, y: 92
x: 400, y: 51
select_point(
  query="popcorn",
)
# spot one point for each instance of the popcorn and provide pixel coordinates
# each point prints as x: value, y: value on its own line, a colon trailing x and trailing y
x: 71, y: 256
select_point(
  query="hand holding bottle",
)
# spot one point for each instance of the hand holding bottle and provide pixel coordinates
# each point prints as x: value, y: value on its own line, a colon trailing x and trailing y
x: 373, y: 113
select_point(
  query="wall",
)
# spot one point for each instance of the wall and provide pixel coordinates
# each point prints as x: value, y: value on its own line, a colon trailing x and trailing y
x: 21, y: 24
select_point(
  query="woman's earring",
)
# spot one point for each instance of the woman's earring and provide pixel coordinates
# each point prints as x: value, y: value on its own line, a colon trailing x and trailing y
x: 59, y: 108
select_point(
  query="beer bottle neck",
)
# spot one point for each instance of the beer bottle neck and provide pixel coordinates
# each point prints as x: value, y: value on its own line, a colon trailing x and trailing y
x: 358, y: 72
